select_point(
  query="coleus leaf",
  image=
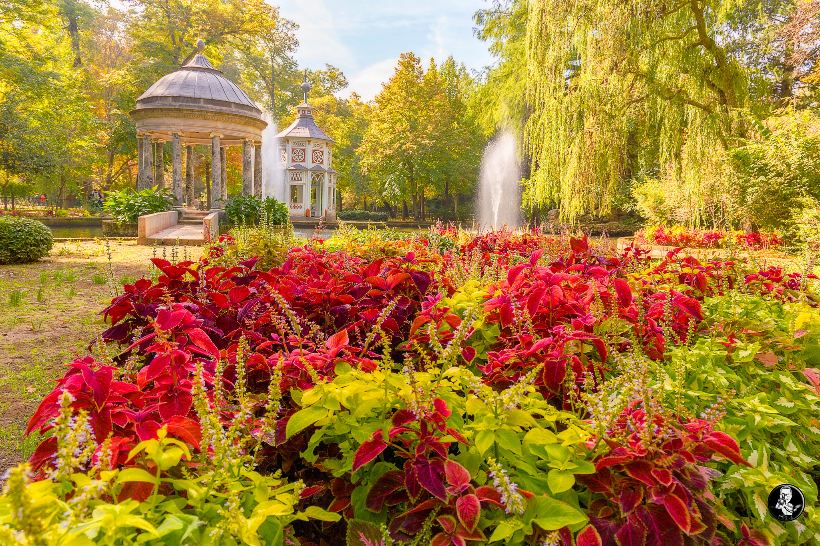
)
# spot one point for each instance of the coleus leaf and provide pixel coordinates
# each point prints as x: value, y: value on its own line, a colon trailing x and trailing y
x: 175, y: 402
x: 726, y: 446
x: 457, y: 476
x: 488, y: 494
x: 168, y: 319
x: 623, y: 292
x: 588, y: 537
x: 369, y: 450
x: 631, y: 533
x: 201, y: 340
x: 468, y: 509
x: 579, y: 245
x: 238, y: 294
x: 338, y: 340
x: 385, y: 486
x: 678, y: 511
x: 430, y: 476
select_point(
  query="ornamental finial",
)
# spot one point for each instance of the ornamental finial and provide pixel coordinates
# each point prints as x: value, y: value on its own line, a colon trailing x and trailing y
x: 305, y: 85
x: 200, y: 46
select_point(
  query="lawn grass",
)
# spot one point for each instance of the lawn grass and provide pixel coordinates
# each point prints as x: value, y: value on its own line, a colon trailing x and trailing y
x: 49, y: 312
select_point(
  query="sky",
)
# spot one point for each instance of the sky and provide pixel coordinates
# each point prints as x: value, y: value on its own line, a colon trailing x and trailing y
x: 365, y: 37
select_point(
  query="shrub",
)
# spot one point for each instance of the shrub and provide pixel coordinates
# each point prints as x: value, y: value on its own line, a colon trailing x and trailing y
x: 363, y: 216
x: 23, y: 240
x: 125, y: 206
x: 268, y: 243
x: 249, y: 210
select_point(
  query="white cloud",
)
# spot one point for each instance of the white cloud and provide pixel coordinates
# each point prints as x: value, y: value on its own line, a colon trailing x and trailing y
x: 364, y: 38
x: 368, y: 81
x: 319, y: 40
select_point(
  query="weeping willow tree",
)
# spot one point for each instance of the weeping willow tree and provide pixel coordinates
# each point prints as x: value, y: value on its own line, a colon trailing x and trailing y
x: 628, y: 90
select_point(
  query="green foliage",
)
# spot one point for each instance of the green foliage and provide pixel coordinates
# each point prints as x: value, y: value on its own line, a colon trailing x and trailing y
x: 125, y: 206
x: 422, y: 139
x: 231, y: 505
x: 512, y: 432
x: 779, y: 170
x: 243, y: 210
x: 249, y: 210
x: 662, y: 100
x: 759, y: 383
x: 23, y: 240
x: 363, y: 215
x: 268, y: 243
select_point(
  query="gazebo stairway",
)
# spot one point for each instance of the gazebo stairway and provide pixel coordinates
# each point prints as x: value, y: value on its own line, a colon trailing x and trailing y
x: 189, y: 230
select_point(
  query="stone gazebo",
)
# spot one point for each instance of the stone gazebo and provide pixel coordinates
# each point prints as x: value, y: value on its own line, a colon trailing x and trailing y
x: 196, y: 105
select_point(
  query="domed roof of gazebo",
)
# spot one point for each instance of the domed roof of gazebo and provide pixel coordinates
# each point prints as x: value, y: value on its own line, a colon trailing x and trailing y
x: 195, y: 101
x: 198, y: 85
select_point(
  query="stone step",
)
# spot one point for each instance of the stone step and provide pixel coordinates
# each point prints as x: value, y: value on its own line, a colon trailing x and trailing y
x: 184, y: 234
x: 191, y: 221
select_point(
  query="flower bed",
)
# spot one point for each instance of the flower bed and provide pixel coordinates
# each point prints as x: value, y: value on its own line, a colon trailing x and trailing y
x: 679, y: 236
x: 507, y: 388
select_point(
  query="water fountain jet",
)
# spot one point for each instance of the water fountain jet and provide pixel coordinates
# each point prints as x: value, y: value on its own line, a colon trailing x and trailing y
x: 273, y: 172
x: 499, y: 191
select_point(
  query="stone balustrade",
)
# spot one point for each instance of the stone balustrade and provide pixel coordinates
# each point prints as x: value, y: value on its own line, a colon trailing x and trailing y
x: 151, y: 224
x: 210, y: 227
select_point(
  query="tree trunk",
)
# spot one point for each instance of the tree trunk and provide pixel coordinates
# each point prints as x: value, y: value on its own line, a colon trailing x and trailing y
x: 69, y: 10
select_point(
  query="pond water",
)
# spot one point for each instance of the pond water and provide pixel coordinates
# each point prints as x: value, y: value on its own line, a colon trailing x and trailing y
x: 76, y: 232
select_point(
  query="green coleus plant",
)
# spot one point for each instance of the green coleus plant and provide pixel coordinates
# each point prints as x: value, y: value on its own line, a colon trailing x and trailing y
x: 154, y: 500
x: 437, y: 456
x: 753, y: 367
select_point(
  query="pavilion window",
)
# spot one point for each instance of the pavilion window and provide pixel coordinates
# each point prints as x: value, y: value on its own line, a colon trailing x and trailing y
x: 296, y: 194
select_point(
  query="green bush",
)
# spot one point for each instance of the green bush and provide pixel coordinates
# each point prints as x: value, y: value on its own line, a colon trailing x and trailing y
x: 23, y: 240
x: 363, y: 216
x: 125, y: 206
x: 249, y: 210
x: 267, y: 242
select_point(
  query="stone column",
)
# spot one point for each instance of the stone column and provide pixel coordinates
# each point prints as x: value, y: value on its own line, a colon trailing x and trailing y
x: 257, y: 169
x: 216, y: 173
x: 176, y: 169
x: 147, y: 162
x: 224, y: 163
x: 247, y: 167
x: 140, y: 161
x: 189, y: 175
x: 306, y: 204
x: 160, y: 164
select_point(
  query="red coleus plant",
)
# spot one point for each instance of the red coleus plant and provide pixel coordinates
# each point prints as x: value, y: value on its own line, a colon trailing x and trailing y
x: 195, y: 313
x: 651, y: 487
x: 428, y: 480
